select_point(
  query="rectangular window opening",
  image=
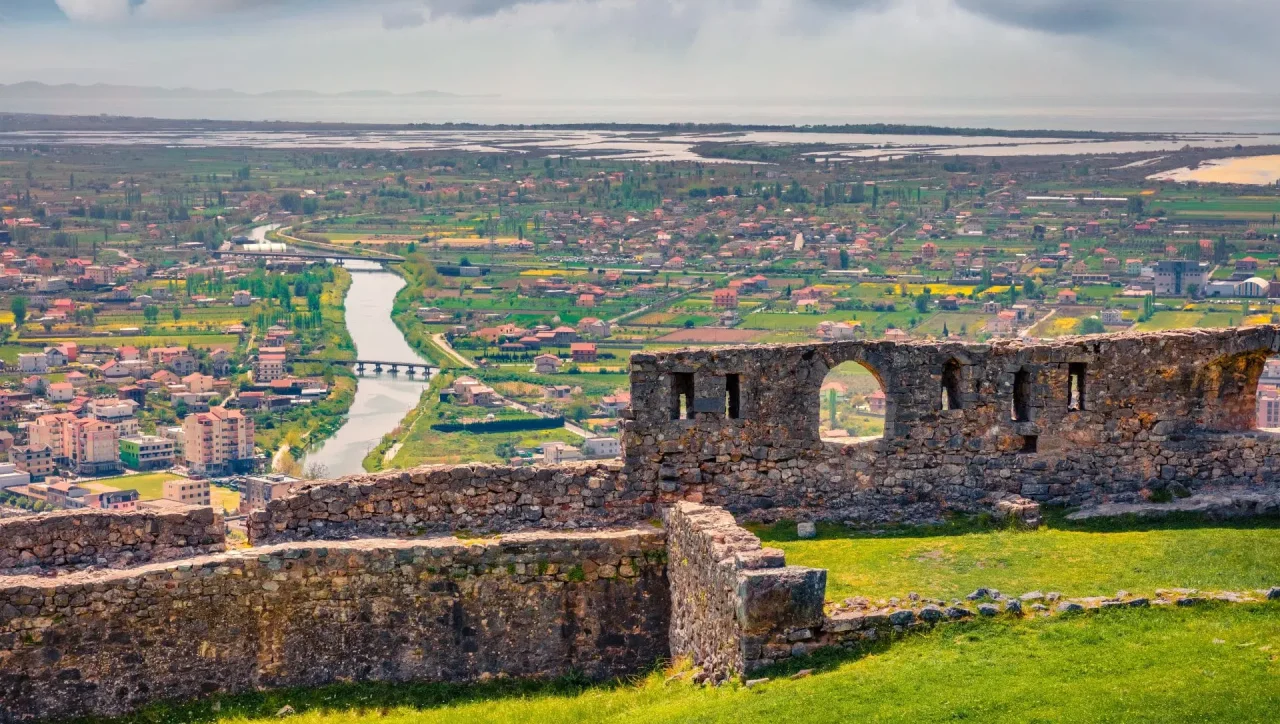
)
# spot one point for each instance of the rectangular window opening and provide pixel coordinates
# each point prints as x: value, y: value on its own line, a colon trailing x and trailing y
x: 733, y: 396
x: 1029, y: 443
x: 682, y: 396
x: 1075, y: 385
x: 1022, y: 396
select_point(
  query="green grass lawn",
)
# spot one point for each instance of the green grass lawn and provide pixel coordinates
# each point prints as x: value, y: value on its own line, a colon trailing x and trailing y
x: 1075, y: 559
x: 1204, y: 664
x: 150, y: 486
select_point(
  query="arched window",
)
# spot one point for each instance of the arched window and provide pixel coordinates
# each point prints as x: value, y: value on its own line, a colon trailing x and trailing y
x: 852, y: 405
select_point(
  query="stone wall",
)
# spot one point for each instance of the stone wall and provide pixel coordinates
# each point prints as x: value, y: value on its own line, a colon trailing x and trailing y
x: 103, y: 538
x: 306, y: 614
x: 1157, y: 408
x: 445, y: 498
x: 735, y: 606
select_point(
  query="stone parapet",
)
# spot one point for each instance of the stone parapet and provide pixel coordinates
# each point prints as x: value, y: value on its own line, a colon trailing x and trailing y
x: 71, y: 539
x: 444, y: 498
x: 535, y: 605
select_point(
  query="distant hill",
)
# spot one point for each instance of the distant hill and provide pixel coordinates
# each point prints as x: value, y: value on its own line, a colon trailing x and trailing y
x: 73, y: 91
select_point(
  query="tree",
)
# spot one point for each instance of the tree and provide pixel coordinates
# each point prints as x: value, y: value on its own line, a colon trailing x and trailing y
x: 177, y: 313
x: 844, y: 258
x: 151, y: 313
x: 1092, y: 325
x: 18, y: 305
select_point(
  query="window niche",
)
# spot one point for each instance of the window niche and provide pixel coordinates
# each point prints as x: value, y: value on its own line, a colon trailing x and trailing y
x: 682, y: 396
x: 733, y: 396
x: 951, y: 399
x: 1076, y: 374
x: 1022, y: 396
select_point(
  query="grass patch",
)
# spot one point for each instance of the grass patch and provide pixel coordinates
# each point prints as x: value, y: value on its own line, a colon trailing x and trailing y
x: 1208, y: 664
x: 1099, y: 558
x: 150, y: 486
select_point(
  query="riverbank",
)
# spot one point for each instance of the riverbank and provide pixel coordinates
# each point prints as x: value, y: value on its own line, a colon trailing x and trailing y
x: 306, y: 427
x: 419, y: 274
x: 413, y: 442
x: 380, y: 402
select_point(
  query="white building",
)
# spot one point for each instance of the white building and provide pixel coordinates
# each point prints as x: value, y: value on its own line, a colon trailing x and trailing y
x: 11, y: 476
x: 602, y: 447
x: 33, y: 363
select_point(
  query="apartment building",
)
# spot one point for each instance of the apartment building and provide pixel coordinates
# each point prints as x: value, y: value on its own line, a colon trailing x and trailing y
x: 259, y: 490
x: 187, y: 492
x: 218, y: 441
x: 147, y: 452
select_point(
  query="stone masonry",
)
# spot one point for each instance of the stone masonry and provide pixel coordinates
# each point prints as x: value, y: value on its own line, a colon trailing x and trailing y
x: 1151, y: 409
x: 735, y: 604
x: 103, y: 538
x: 346, y: 582
x: 445, y: 498
x: 299, y: 614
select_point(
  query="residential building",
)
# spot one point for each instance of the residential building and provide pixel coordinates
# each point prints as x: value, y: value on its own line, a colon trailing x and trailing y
x: 258, y: 490
x: 33, y: 363
x: 61, y: 392
x: 67, y: 496
x: 602, y: 447
x: 147, y: 452
x: 118, y: 412
x: 876, y: 402
x: 187, y: 491
x: 546, y: 364
x: 218, y: 441
x: 471, y: 391
x: 1268, y: 407
x: 241, y: 298
x: 725, y: 298
x: 198, y: 383
x: 118, y: 500
x: 554, y: 453
x: 583, y: 351
x: 35, y: 460
x: 94, y: 446
x: 268, y: 368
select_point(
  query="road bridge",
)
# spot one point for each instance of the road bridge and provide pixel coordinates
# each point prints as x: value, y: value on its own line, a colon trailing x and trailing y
x: 377, y: 366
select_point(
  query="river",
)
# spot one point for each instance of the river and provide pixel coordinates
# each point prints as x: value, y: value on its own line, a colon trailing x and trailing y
x: 381, y: 401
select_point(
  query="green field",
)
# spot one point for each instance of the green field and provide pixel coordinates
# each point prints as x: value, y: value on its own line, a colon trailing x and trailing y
x: 1133, y: 665
x: 1075, y: 559
x: 150, y: 486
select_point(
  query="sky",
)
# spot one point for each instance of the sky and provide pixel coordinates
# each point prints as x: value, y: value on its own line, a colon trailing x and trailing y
x: 603, y: 49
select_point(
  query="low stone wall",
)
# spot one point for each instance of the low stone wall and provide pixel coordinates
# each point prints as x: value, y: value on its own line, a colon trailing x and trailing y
x: 306, y: 614
x: 446, y: 498
x: 84, y: 538
x: 736, y: 606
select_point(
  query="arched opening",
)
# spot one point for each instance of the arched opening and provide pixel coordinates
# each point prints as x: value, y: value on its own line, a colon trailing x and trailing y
x: 853, y: 405
x: 951, y: 399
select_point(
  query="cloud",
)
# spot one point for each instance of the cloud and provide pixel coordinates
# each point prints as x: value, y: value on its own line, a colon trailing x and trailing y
x: 402, y: 18
x: 96, y: 11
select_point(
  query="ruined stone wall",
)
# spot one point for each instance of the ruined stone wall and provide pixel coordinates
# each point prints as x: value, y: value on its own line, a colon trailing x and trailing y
x: 306, y: 614
x: 104, y: 538
x: 445, y: 498
x: 1157, y: 408
x: 735, y: 606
